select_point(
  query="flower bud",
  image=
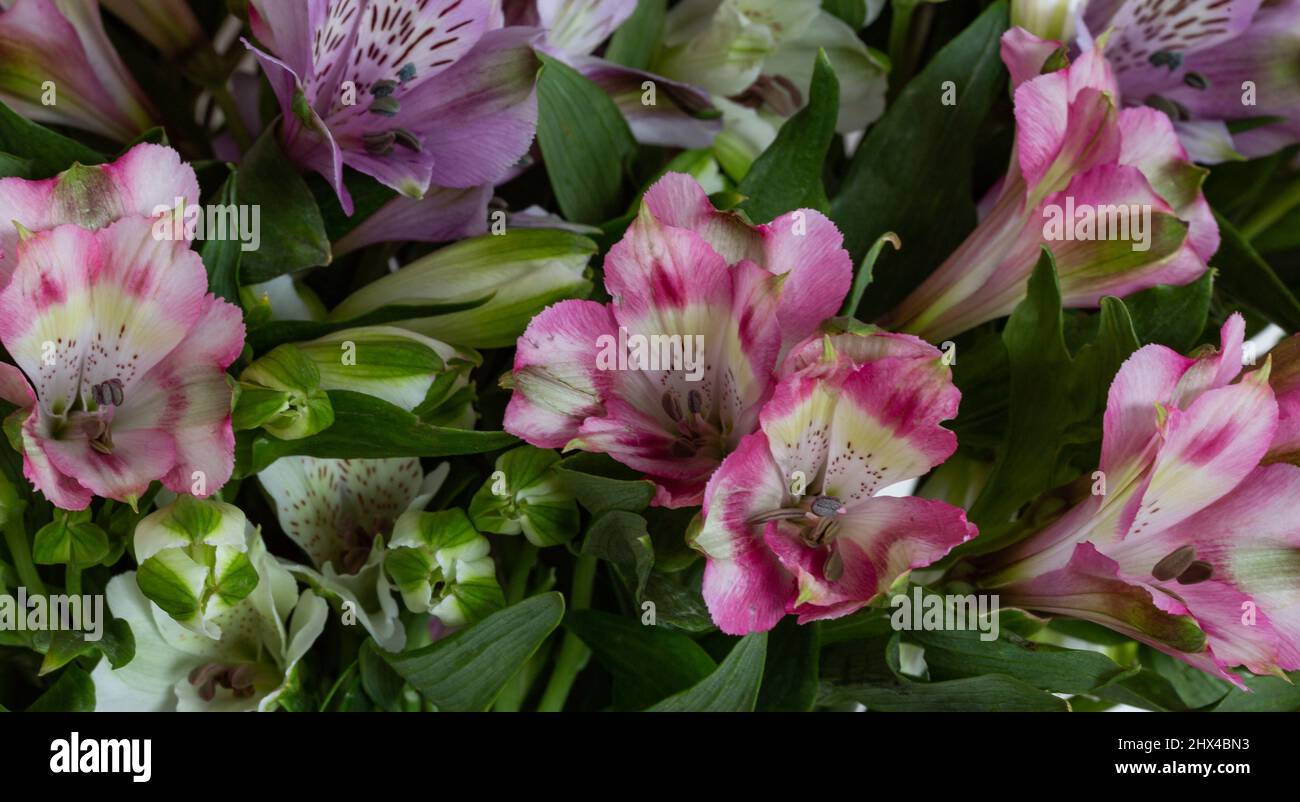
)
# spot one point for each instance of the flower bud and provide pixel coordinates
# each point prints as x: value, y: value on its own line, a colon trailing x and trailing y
x: 1048, y: 19
x: 193, y: 561
x: 524, y: 494
x: 281, y: 392
x: 441, y: 565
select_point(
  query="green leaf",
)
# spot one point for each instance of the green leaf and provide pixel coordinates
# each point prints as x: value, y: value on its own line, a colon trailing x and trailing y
x: 1244, y: 275
x: 116, y: 643
x: 382, y: 684
x: 47, y: 152
x: 278, y: 332
x: 788, y: 175
x: 366, y: 428
x: 12, y: 166
x: 174, y: 582
x: 732, y: 687
x: 991, y: 693
x: 70, y: 539
x: 636, y: 41
x: 912, y: 172
x: 648, y: 663
x: 1171, y: 315
x: 601, y: 484
x: 1052, y: 395
x: 293, y: 232
x: 963, y: 653
x: 791, y: 674
x: 466, y: 671
x: 72, y: 692
x: 853, y: 12
x: 621, y: 538
x: 1267, y: 694
x: 586, y: 144
x: 222, y: 256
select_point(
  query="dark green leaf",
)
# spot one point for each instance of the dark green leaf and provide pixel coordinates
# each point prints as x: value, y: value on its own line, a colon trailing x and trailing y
x: 366, y: 427
x: 277, y: 332
x: 601, y: 484
x: 788, y: 175
x: 293, y: 232
x: 990, y: 693
x: 648, y: 663
x: 731, y: 688
x: 1245, y: 276
x: 222, y: 255
x: 586, y: 144
x: 1171, y: 315
x: 47, y: 152
x: 790, y: 676
x: 72, y: 692
x: 621, y: 538
x: 382, y: 684
x: 466, y: 671
x: 636, y: 41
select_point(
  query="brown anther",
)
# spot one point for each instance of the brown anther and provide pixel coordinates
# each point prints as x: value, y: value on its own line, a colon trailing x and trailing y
x: 1198, y: 571
x: 1174, y: 563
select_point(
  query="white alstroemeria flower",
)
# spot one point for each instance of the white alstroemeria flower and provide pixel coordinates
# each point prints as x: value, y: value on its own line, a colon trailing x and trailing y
x: 247, y: 668
x: 759, y: 54
x: 340, y: 512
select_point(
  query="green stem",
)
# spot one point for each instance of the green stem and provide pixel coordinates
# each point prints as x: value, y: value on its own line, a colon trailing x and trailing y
x: 21, y: 551
x: 1275, y: 210
x: 512, y: 696
x: 573, y: 652
x: 233, y: 121
x: 72, y: 581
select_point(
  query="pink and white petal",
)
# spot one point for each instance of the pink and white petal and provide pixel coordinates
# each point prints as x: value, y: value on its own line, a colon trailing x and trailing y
x: 1207, y: 451
x: 1090, y: 587
x: 62, y: 490
x: 431, y: 36
x: 146, y: 295
x: 48, y: 301
x: 1025, y: 54
x: 14, y: 387
x: 748, y: 592
x: 1147, y: 378
x: 1216, y: 368
x: 886, y: 426
x: 751, y: 341
x: 144, y: 179
x: 139, y: 457
x: 478, y: 118
x: 806, y: 248
x: 852, y: 349
x: 189, y: 395
x: 679, y: 201
x: 878, y: 540
x: 557, y: 380
x: 749, y: 482
x: 1060, y: 134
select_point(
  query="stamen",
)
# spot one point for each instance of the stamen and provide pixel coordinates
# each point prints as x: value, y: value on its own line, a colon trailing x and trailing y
x: 823, y: 506
x: 407, y: 73
x: 383, y: 88
x: 1174, y: 563
x: 379, y: 144
x: 780, y: 514
x: 833, y: 568
x: 386, y: 105
x: 108, y: 393
x: 407, y: 139
x: 694, y: 402
x: 1198, y: 571
x: 672, y: 406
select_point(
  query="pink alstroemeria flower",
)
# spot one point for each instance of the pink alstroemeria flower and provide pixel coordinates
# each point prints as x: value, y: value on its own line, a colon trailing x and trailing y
x: 1190, y: 547
x: 412, y: 94
x: 143, y: 180
x: 1208, y: 63
x: 61, y: 45
x: 1076, y: 155
x: 120, y: 350
x: 792, y: 522
x: 734, y: 294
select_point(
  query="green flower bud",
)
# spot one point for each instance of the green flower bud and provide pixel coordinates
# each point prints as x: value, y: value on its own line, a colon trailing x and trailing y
x: 441, y: 565
x: 281, y: 392
x: 525, y: 495
x: 194, y: 562
x: 1047, y: 19
x: 527, y: 269
x: 417, y: 373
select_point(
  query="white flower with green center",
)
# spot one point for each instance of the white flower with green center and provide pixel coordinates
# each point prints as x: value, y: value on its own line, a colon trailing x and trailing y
x: 341, y: 512
x: 249, y: 667
x: 441, y: 565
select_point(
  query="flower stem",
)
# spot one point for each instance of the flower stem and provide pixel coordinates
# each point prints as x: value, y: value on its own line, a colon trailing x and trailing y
x: 573, y: 652
x: 1263, y: 219
x: 72, y: 581
x: 512, y: 696
x: 20, y: 550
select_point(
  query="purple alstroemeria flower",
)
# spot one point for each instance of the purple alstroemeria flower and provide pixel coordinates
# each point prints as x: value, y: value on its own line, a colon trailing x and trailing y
x: 715, y: 299
x: 412, y: 94
x: 792, y: 519
x: 1110, y: 191
x: 1188, y: 541
x: 1209, y: 64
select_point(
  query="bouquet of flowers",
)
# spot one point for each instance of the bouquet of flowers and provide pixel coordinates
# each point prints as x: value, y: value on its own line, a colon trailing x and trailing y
x: 690, y: 355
